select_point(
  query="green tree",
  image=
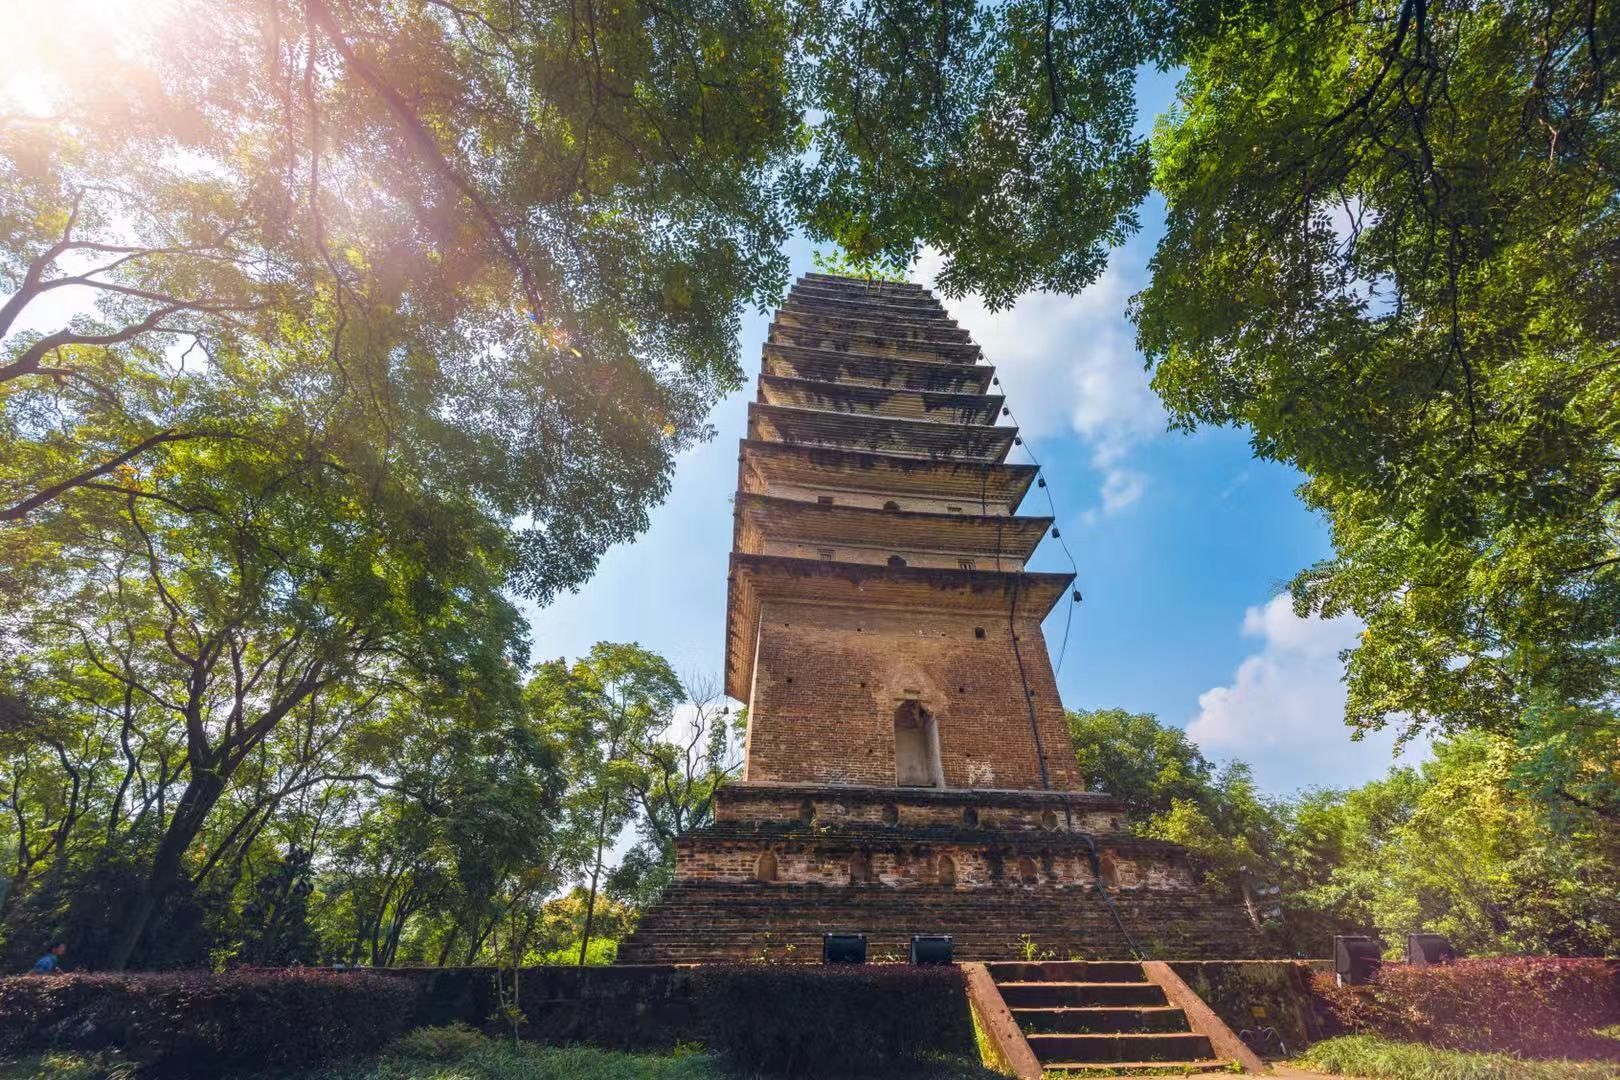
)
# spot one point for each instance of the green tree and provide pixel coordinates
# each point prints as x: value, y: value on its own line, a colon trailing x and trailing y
x: 614, y: 699
x: 1388, y: 255
x: 1132, y: 755
x: 1172, y: 792
x: 1452, y: 847
x: 674, y: 777
x: 538, y: 310
x: 998, y: 134
x: 221, y: 594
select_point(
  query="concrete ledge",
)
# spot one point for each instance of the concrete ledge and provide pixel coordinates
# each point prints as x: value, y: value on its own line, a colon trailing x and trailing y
x: 1201, y: 1018
x: 1006, y: 1037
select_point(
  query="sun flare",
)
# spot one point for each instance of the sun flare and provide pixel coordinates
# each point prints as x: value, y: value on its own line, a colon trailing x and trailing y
x: 54, y: 44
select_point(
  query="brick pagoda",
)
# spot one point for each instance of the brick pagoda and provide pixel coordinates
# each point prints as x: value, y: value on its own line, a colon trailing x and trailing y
x: 909, y: 768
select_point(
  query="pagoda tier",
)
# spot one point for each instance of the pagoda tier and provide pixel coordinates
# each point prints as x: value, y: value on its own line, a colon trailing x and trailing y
x: 775, y: 525
x: 844, y: 430
x: 985, y: 596
x: 879, y: 401
x: 855, y: 369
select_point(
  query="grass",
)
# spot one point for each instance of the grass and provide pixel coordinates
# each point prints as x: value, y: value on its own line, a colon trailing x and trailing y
x: 65, y: 1065
x: 460, y: 1053
x: 1371, y: 1056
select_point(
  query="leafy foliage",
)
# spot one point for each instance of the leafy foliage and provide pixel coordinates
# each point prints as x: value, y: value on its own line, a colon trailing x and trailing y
x: 1389, y: 256
x: 1459, y: 846
x: 1531, y: 1006
x: 998, y: 134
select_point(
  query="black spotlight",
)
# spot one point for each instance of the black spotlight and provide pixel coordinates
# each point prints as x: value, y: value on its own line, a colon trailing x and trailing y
x: 1356, y: 958
x: 1426, y: 949
x: 843, y: 948
x: 930, y: 948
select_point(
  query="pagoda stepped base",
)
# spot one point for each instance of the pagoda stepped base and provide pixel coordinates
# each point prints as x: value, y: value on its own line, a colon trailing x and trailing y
x: 1005, y: 873
x: 710, y: 922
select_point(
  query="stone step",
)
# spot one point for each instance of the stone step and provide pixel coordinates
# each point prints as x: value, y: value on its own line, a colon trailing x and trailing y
x: 1134, y: 1047
x: 1098, y: 1019
x: 1066, y: 971
x: 1026, y: 995
x: 1134, y: 1068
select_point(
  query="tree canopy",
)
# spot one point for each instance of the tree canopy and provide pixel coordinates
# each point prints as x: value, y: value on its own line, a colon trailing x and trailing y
x: 1458, y: 846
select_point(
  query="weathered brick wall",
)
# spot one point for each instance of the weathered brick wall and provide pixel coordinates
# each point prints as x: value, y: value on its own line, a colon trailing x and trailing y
x: 909, y: 862
x: 828, y: 679
x: 1033, y: 811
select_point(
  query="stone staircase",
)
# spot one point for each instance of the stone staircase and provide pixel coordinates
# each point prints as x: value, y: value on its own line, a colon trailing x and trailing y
x: 1101, y: 1018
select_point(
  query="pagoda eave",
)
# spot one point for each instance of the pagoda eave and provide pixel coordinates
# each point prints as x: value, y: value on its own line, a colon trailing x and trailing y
x: 825, y: 365
x: 761, y: 518
x: 823, y: 466
x: 896, y: 402
x: 753, y: 578
x: 880, y: 434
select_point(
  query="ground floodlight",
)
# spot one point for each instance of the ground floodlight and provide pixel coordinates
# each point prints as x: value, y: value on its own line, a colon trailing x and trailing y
x: 843, y: 948
x: 1425, y: 949
x: 1356, y: 958
x: 927, y: 949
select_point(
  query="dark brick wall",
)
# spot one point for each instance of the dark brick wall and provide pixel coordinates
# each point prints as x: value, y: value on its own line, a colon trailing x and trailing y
x: 704, y: 921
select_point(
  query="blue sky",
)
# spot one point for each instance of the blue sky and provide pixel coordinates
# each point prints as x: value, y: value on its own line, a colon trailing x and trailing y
x: 1184, y: 543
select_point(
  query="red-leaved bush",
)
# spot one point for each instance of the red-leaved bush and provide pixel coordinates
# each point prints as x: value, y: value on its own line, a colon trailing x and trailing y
x: 1541, y: 1007
x: 198, y: 1024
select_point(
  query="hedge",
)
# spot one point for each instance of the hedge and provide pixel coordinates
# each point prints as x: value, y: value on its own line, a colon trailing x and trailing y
x: 632, y: 1007
x: 1539, y: 1007
x: 201, y: 1025
x: 864, y: 1020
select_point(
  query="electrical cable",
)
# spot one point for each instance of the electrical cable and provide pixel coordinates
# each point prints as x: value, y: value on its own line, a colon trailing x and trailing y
x: 1096, y: 869
x: 1029, y: 697
x: 1046, y: 489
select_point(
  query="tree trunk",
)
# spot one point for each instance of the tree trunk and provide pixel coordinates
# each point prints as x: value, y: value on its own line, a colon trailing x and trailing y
x: 192, y: 811
x: 1249, y: 904
x: 596, y: 873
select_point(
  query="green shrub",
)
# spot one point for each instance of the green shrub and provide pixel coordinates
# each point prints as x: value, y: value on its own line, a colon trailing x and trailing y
x: 834, y: 1021
x: 1369, y: 1055
x: 1538, y: 1007
x: 200, y: 1025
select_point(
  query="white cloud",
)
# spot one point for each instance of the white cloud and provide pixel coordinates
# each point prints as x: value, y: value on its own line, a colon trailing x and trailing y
x: 1069, y: 364
x: 1283, y: 711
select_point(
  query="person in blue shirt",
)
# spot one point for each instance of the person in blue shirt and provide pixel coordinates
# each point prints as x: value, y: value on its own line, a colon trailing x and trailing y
x: 51, y: 961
